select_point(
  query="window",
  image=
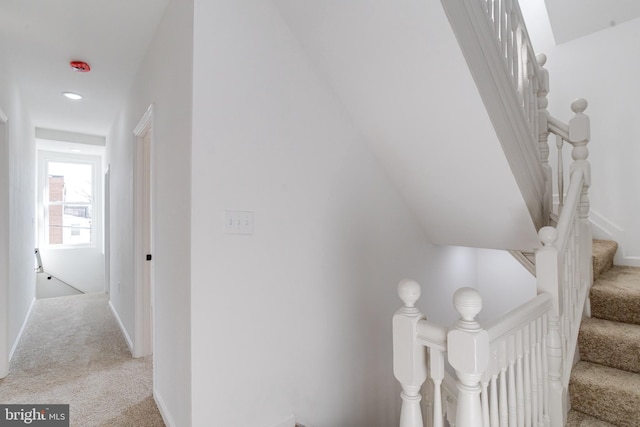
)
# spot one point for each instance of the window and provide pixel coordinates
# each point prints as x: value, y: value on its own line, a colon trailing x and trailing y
x: 69, y: 202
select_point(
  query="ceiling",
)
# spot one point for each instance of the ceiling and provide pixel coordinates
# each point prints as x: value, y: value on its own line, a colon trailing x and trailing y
x: 40, y: 37
x: 571, y: 19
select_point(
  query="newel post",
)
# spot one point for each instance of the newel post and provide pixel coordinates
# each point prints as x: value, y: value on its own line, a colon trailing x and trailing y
x: 409, y: 357
x: 468, y: 350
x: 548, y: 280
x: 543, y: 132
x: 580, y: 134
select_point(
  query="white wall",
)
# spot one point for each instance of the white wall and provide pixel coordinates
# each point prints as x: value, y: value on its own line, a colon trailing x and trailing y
x: 17, y: 235
x: 400, y: 73
x: 295, y: 318
x: 602, y: 68
x: 164, y: 79
x: 503, y: 283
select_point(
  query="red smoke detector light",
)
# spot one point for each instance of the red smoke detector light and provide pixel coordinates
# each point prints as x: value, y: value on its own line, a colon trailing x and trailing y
x: 80, y: 66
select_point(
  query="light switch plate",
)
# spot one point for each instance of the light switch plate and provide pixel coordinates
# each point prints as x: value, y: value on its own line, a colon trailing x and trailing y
x: 238, y: 222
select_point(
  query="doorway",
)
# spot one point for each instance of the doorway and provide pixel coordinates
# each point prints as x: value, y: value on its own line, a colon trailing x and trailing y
x: 143, y: 236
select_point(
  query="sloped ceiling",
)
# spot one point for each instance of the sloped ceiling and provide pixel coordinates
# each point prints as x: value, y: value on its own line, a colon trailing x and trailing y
x: 571, y: 19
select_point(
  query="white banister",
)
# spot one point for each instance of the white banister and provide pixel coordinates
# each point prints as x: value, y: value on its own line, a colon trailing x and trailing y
x: 468, y: 349
x: 514, y: 372
x: 409, y: 357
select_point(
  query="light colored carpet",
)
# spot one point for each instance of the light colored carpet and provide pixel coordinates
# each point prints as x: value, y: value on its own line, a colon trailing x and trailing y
x: 605, y: 384
x: 73, y: 352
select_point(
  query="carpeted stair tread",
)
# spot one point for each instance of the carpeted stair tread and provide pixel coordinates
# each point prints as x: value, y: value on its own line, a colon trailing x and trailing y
x: 578, y: 419
x: 616, y: 295
x: 605, y: 393
x: 603, y: 253
x: 609, y: 343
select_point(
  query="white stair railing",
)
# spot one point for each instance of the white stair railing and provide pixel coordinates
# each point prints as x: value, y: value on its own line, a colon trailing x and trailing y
x: 514, y: 372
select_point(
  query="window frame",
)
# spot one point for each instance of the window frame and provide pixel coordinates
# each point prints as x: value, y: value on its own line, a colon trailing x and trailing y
x: 47, y: 157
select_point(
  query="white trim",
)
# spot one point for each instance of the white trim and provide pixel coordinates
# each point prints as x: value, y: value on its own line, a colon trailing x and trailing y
x: 604, y: 227
x: 97, y: 233
x: 144, y: 125
x: 24, y: 325
x: 4, y: 251
x: 143, y: 340
x: 80, y: 138
x: 162, y: 407
x: 290, y: 421
x: 122, y: 328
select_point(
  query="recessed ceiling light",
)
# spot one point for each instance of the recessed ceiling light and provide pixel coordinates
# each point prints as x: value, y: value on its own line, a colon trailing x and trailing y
x: 75, y: 150
x: 72, y: 95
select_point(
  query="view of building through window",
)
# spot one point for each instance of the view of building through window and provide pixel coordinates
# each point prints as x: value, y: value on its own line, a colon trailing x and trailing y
x: 70, y: 203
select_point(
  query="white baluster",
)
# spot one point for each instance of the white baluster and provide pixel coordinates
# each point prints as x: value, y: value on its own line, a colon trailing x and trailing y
x: 539, y: 373
x: 556, y: 390
x: 513, y: 401
x: 436, y: 364
x: 543, y: 131
x: 559, y: 143
x: 545, y: 371
x: 468, y: 350
x: 519, y: 379
x: 484, y: 402
x: 550, y: 279
x: 534, y: 374
x: 494, y: 405
x: 409, y: 357
x: 503, y: 404
x: 527, y: 376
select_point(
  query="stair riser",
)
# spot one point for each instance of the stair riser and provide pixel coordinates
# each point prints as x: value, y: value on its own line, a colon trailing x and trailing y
x: 608, y: 344
x: 619, y: 308
x: 601, y: 401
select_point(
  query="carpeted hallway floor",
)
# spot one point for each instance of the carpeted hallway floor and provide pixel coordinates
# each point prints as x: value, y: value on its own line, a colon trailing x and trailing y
x: 73, y: 352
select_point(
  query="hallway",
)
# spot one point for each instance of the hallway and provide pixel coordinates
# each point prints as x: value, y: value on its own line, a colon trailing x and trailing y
x: 72, y: 352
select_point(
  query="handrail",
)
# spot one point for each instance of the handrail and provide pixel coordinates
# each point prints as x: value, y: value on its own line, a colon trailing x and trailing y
x: 558, y: 127
x: 432, y: 335
x: 519, y: 317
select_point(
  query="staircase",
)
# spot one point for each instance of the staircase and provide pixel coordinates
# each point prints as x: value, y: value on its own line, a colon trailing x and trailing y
x: 605, y: 384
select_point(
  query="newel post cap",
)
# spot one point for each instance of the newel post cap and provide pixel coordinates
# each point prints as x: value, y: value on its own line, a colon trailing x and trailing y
x: 409, y: 292
x: 579, y: 105
x: 468, y: 303
x: 548, y: 235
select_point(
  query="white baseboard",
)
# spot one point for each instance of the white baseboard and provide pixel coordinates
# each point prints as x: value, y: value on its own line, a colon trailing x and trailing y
x: 122, y: 328
x: 290, y: 421
x: 603, y: 228
x: 168, y: 420
x: 24, y: 325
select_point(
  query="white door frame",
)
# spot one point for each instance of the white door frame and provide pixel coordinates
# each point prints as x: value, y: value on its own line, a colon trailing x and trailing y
x: 107, y: 229
x: 4, y: 247
x: 143, y: 235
